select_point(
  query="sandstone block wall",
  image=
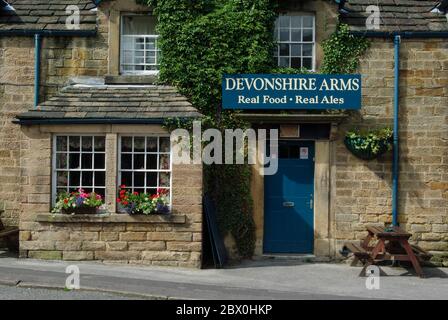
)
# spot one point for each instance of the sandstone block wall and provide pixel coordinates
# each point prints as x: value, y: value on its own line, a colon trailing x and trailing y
x: 363, y: 188
x: 62, y: 58
x: 118, y: 238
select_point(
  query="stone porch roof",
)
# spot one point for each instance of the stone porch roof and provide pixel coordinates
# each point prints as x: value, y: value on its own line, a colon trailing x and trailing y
x: 396, y: 15
x: 111, y: 104
x: 47, y: 15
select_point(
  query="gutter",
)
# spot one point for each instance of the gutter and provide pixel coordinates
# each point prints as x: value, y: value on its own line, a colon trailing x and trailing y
x: 397, y: 36
x: 38, y: 35
x: 63, y: 121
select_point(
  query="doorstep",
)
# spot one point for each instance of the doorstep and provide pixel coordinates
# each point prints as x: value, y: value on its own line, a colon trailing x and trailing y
x: 292, y: 257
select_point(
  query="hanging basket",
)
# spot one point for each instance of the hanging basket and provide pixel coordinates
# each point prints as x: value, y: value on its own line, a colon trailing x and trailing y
x: 369, y: 146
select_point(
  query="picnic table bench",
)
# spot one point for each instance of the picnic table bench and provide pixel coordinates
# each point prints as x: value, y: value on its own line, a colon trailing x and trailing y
x: 391, y: 245
x: 10, y: 234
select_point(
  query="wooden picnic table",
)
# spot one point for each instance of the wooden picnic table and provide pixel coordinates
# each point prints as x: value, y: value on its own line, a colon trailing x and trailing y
x: 391, y: 244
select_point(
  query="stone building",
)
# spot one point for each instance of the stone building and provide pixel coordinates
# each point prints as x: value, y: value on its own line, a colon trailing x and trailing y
x: 95, y: 83
x: 96, y: 124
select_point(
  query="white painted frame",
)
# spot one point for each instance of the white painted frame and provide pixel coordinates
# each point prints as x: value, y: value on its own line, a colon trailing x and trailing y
x: 55, y: 170
x: 146, y: 38
x: 313, y: 42
x: 145, y: 153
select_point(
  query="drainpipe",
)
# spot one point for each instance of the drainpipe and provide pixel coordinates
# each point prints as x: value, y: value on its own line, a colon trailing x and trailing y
x: 396, y: 166
x: 37, y: 47
x: 38, y: 34
x: 397, y: 36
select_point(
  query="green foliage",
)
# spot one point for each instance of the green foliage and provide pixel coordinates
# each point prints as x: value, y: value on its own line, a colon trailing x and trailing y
x: 200, y: 41
x: 342, y: 51
x: 369, y: 144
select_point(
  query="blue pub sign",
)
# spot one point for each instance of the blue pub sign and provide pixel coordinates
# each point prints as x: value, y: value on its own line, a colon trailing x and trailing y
x: 291, y: 92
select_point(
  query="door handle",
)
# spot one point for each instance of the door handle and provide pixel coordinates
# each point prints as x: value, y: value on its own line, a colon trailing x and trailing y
x: 311, y: 204
x: 288, y: 204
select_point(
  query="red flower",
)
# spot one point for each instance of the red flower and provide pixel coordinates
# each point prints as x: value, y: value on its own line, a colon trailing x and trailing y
x: 122, y: 186
x: 118, y: 200
x: 65, y: 201
x: 136, y: 193
x: 125, y: 203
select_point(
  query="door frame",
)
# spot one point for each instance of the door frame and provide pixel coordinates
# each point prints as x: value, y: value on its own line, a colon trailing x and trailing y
x: 313, y: 187
x: 322, y: 211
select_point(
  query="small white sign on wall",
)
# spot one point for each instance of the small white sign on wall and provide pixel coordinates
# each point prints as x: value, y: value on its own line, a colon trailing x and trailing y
x: 304, y: 154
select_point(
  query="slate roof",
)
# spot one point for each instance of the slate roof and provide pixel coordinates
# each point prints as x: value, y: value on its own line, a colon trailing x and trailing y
x: 46, y: 15
x: 397, y: 15
x: 109, y: 103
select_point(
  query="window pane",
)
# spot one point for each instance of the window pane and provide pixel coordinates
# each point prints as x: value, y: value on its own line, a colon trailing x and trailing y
x: 165, y: 144
x: 101, y: 192
x: 308, y: 50
x: 139, y: 144
x: 284, y: 21
x: 99, y: 162
x: 152, y: 191
x: 296, y: 50
x: 307, y: 63
x: 100, y: 178
x: 139, y: 24
x: 164, y: 180
x: 126, y: 161
x: 296, y: 35
x: 139, y: 161
x: 164, y: 161
x: 100, y: 144
x: 62, y: 179
x: 139, y: 179
x: 308, y: 35
x: 151, y: 179
x: 87, y: 179
x: 61, y: 161
x: 284, y: 34
x: 295, y: 63
x: 284, y: 49
x: 126, y: 178
x: 126, y: 144
x: 86, y: 161
x: 308, y: 22
x: 75, y: 178
x: 73, y: 161
x: 151, y: 161
x: 61, y: 144
x: 152, y: 144
x: 296, y: 22
x: 284, y: 62
x: 74, y: 143
x: 87, y: 143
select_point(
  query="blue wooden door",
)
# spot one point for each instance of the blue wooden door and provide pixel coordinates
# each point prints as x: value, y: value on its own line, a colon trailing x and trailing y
x: 288, y: 200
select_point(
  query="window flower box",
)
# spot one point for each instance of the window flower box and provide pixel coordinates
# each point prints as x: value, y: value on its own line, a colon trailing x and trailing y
x: 135, y: 203
x: 78, y: 202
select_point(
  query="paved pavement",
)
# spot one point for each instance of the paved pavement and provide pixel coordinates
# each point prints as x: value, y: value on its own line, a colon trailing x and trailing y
x: 265, y: 279
x: 18, y: 293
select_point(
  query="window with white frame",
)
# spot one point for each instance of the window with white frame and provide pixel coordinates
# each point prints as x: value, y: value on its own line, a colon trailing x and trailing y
x: 139, y: 48
x: 295, y: 36
x: 145, y: 163
x: 79, y: 161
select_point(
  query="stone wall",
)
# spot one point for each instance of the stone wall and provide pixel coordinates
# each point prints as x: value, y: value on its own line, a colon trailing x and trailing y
x: 62, y: 58
x: 175, y: 241
x: 363, y: 188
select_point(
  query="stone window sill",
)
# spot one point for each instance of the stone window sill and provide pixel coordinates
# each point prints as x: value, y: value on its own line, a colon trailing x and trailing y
x: 111, y: 218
